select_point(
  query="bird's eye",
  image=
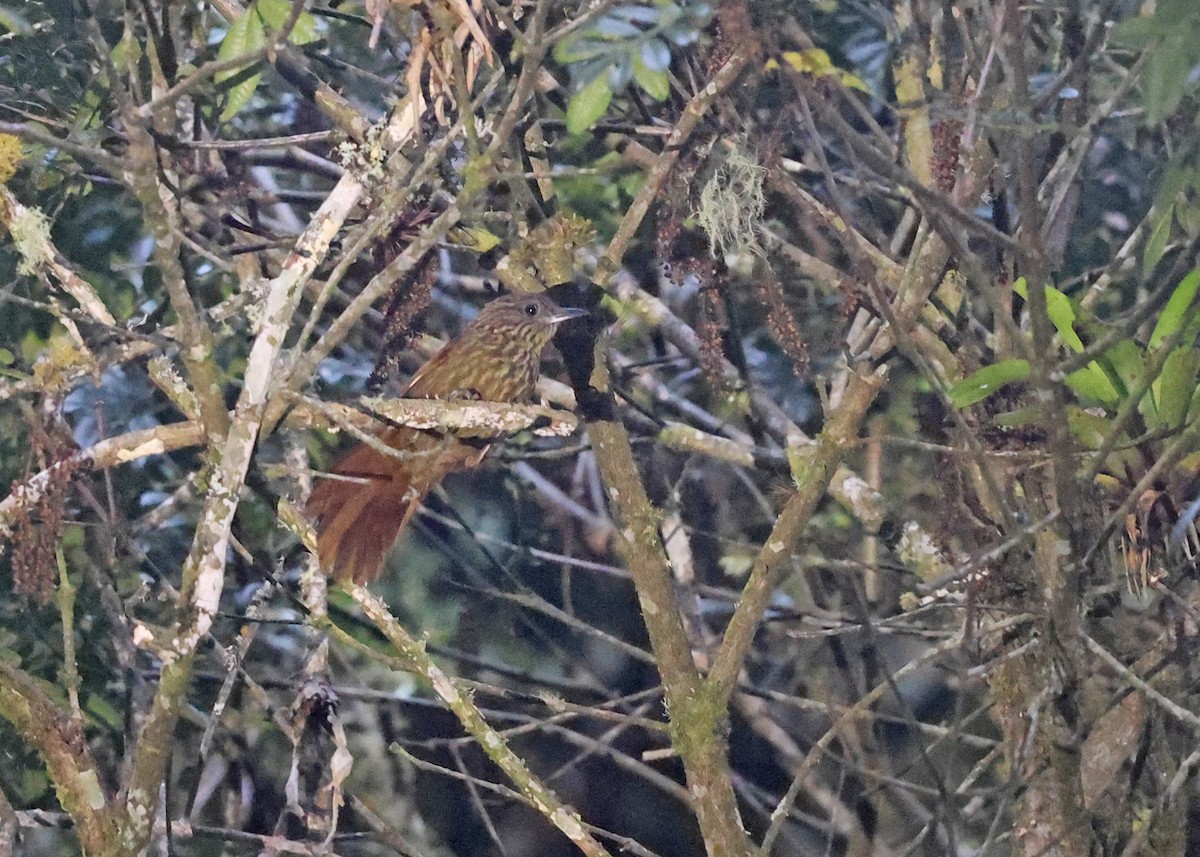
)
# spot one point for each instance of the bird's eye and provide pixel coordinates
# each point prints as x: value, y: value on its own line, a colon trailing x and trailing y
x: 531, y: 310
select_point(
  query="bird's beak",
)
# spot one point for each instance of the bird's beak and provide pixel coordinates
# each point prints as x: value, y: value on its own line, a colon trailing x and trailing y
x: 566, y: 313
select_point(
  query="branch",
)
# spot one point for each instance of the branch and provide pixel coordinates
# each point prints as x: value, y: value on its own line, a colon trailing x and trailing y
x: 487, y: 419
x: 429, y: 237
x: 474, y: 418
x: 694, y: 718
x: 414, y: 658
x: 204, y: 569
x: 162, y: 217
x: 106, y: 453
x: 813, y: 466
x: 62, y: 746
x: 35, y: 246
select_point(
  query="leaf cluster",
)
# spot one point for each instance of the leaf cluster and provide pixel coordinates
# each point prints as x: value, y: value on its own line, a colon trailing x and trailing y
x: 627, y: 43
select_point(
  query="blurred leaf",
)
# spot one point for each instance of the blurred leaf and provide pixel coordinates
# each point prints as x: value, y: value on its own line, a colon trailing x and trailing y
x: 473, y: 238
x: 620, y: 73
x: 1177, y: 307
x: 812, y: 61
x: 127, y: 52
x: 1088, y: 428
x: 681, y: 35
x: 1027, y: 416
x: 736, y: 566
x: 1146, y: 30
x: 101, y: 709
x: 245, y: 35
x: 615, y: 28
x: 1092, y: 382
x: 646, y: 14
x: 656, y: 84
x: 275, y: 14
x: 1166, y: 80
x: 1127, y: 362
x: 12, y: 21
x: 1060, y: 312
x: 817, y: 62
x: 631, y: 42
x: 979, y: 385
x: 570, y: 51
x: 1156, y: 245
x: 655, y: 55
x: 1174, y: 387
x: 1188, y: 216
x: 1173, y: 52
x: 588, y: 105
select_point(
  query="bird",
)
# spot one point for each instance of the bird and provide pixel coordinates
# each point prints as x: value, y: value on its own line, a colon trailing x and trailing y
x: 362, y: 504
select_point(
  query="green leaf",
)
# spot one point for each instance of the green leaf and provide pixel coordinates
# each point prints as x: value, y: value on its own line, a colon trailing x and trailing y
x: 615, y: 29
x: 473, y: 238
x: 1088, y: 428
x: 664, y: 15
x: 620, y: 73
x: 1060, y: 312
x: 275, y: 14
x: 1092, y: 382
x: 656, y: 84
x: 979, y: 385
x: 588, y: 105
x: 1156, y: 244
x: 1177, y: 307
x: 127, y: 52
x: 655, y: 54
x: 6, y: 357
x: 245, y: 35
x: 1127, y: 362
x: 570, y: 51
x: 1165, y: 79
x: 1174, y: 387
x: 1029, y: 415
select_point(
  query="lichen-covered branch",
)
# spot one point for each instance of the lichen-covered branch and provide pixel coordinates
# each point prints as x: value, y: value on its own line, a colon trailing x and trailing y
x: 656, y: 175
x: 203, y: 572
x: 414, y: 658
x: 162, y: 219
x: 106, y: 453
x: 35, y: 246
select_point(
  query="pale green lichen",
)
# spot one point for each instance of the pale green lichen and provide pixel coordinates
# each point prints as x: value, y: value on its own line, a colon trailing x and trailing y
x: 918, y: 552
x: 90, y: 785
x: 732, y: 202
x: 367, y: 160
x: 31, y: 234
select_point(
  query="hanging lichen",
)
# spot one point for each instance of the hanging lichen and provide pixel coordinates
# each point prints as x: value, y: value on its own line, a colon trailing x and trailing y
x: 732, y: 201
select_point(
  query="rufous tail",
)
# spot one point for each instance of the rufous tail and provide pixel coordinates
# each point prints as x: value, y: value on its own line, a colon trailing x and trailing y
x: 359, y: 511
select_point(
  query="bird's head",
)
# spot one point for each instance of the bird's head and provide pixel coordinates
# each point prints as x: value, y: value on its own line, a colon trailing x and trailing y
x: 528, y: 317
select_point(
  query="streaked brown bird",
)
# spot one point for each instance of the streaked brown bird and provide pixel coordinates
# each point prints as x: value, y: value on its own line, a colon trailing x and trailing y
x: 360, y: 509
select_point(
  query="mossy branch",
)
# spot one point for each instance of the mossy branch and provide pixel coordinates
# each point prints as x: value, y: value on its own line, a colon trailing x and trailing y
x: 60, y: 742
x: 695, y: 721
